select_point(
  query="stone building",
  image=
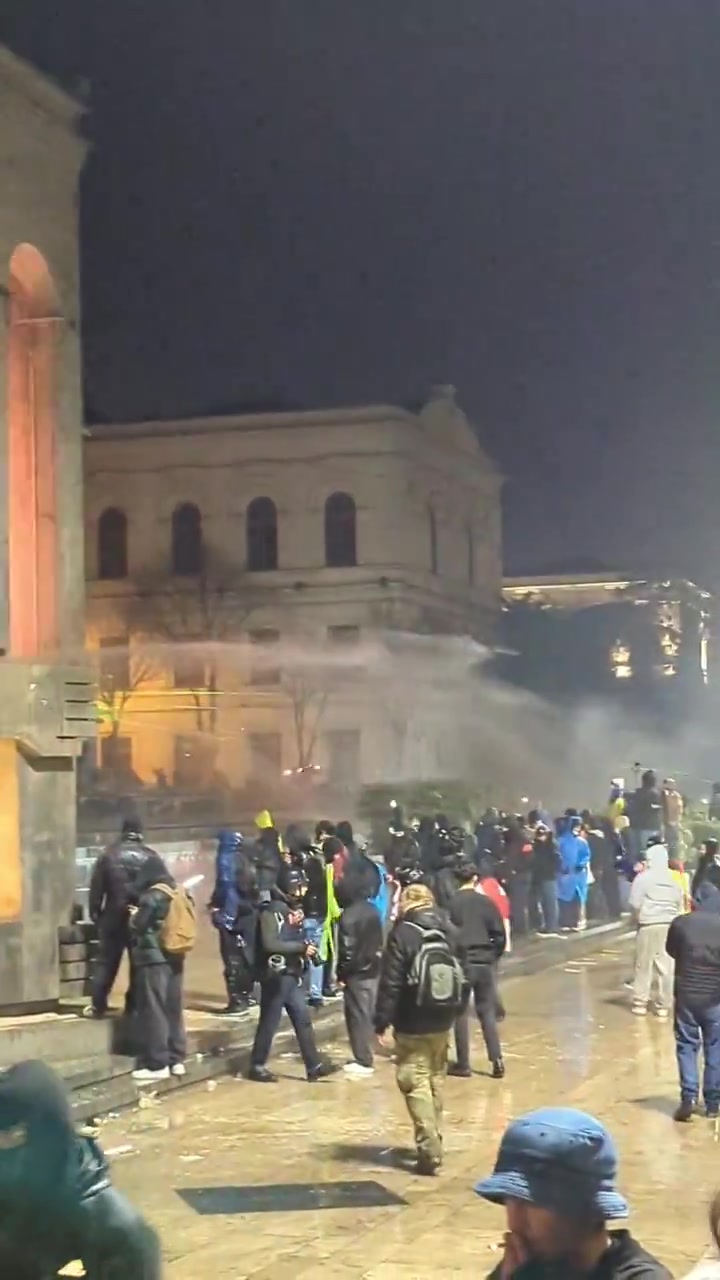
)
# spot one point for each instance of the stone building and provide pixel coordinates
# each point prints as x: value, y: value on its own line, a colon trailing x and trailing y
x: 244, y: 571
x: 46, y: 702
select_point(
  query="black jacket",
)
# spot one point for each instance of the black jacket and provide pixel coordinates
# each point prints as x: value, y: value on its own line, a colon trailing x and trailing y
x: 276, y: 936
x: 481, y: 937
x: 624, y: 1259
x: 646, y: 809
x: 545, y: 860
x: 360, y: 942
x: 396, y: 1004
x: 113, y: 881
x: 315, y: 902
x: 56, y: 1201
x: 145, y: 928
x: 693, y: 941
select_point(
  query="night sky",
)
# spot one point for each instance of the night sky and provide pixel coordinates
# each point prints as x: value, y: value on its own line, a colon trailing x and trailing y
x: 313, y: 202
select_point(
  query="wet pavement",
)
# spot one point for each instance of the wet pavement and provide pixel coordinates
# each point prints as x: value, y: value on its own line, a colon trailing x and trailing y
x: 243, y: 1180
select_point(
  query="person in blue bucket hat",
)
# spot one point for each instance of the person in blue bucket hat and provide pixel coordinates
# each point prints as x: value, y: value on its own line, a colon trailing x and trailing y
x: 555, y: 1174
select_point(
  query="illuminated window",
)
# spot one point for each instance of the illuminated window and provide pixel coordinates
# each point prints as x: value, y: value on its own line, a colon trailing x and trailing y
x: 620, y: 661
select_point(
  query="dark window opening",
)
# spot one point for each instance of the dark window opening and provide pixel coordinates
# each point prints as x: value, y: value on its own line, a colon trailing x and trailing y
x: 432, y: 528
x: 262, y: 535
x: 112, y: 544
x: 340, y: 531
x: 187, y: 541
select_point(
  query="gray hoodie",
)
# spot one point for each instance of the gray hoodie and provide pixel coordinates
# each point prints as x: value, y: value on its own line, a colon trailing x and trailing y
x: 655, y: 896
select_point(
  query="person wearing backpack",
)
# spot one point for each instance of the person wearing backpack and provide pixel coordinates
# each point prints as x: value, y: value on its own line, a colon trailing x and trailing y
x: 162, y: 930
x: 419, y: 996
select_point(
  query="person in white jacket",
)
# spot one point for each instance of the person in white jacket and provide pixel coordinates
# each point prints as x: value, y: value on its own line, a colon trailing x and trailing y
x: 656, y: 898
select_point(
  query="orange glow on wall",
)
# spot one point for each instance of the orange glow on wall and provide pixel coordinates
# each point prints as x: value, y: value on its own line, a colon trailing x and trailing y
x: 32, y: 479
x: 10, y: 860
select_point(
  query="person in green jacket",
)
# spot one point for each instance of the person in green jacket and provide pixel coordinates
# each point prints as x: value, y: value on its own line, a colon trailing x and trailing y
x: 57, y: 1204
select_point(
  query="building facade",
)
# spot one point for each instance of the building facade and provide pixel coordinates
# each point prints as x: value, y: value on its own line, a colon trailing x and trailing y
x: 243, y: 572
x: 47, y: 698
x: 597, y: 633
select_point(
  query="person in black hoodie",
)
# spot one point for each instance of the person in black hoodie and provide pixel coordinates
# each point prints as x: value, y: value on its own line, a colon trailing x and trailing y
x: 112, y: 891
x: 707, y: 858
x: 693, y: 941
x: 158, y: 979
x: 57, y: 1204
x: 545, y: 867
x: 421, y: 1030
x: 281, y: 955
x: 645, y: 810
x: 360, y: 944
x: 481, y: 941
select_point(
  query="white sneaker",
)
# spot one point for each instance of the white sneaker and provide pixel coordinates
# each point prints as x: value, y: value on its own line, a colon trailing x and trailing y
x: 663, y: 1014
x: 178, y: 1069
x: 357, y: 1070
x: 144, y: 1076
x: 640, y: 1010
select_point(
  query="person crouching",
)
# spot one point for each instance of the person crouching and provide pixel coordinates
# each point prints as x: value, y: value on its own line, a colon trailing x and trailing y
x: 360, y: 944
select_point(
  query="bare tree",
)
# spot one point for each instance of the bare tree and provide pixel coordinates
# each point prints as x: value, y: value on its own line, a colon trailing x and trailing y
x: 123, y: 670
x: 205, y: 610
x: 308, y: 690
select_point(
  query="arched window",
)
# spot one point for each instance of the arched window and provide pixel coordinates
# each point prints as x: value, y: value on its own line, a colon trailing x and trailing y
x: 433, y: 534
x: 340, y: 531
x: 261, y: 535
x: 187, y: 541
x: 112, y: 544
x: 471, y: 554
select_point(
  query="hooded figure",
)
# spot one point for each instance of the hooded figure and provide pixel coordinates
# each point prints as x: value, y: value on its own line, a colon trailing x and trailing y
x: 360, y: 944
x: 57, y: 1204
x: 656, y: 899
x: 160, y: 1027
x: 113, y: 889
x: 693, y: 942
x: 233, y: 910
x: 572, y: 880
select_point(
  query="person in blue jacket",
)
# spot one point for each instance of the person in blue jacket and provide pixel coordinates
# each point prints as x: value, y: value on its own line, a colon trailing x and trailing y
x: 234, y: 914
x: 572, y: 880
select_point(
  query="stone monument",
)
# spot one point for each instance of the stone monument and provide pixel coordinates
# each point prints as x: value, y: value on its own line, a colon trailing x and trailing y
x: 46, y: 692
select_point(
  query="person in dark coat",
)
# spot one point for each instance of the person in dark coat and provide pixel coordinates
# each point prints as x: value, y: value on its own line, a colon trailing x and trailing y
x: 481, y: 941
x: 708, y: 858
x: 489, y: 837
x: 57, y: 1203
x: 693, y: 942
x: 233, y: 910
x: 281, y: 955
x: 517, y: 859
x: 602, y: 864
x: 545, y: 867
x: 160, y: 1026
x: 421, y: 1034
x: 360, y: 944
x: 112, y: 891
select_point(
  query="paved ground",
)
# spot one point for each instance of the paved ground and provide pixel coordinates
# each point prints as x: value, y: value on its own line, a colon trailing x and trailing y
x: 569, y: 1038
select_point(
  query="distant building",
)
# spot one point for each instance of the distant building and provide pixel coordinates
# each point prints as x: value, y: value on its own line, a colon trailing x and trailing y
x: 238, y: 568
x: 598, y: 631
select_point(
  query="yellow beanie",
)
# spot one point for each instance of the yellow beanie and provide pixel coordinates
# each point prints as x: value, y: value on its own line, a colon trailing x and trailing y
x: 263, y: 820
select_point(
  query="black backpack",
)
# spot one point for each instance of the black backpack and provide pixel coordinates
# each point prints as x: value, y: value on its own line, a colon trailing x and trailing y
x: 435, y: 974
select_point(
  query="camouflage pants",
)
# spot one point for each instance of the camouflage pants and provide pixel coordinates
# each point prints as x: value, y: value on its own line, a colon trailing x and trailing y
x: 421, y: 1067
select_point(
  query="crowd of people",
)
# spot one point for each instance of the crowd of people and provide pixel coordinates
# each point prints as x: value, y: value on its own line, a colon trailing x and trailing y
x: 409, y: 936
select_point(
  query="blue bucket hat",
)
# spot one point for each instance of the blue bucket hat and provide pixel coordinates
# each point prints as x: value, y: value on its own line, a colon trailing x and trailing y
x: 559, y: 1159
